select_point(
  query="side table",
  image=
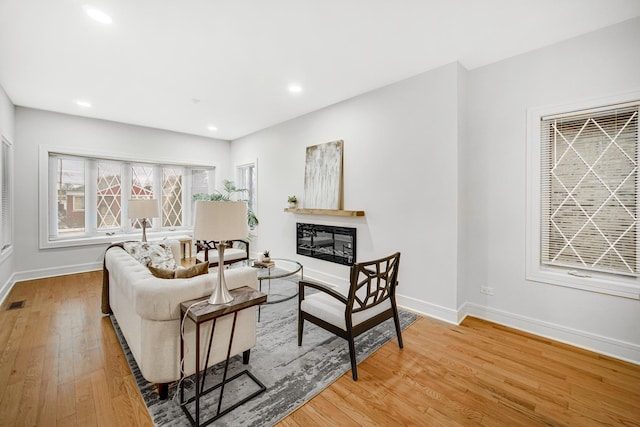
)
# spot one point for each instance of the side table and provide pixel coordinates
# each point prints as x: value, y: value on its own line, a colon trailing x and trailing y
x: 243, y: 298
x: 184, y: 244
x: 289, y: 268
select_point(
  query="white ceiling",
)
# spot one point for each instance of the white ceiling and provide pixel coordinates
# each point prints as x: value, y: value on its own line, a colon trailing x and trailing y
x: 183, y: 65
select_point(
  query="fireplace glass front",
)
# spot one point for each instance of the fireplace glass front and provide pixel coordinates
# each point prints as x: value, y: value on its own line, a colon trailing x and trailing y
x: 327, y: 242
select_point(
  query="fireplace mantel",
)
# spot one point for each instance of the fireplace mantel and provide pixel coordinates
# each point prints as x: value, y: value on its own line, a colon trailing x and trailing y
x: 333, y: 212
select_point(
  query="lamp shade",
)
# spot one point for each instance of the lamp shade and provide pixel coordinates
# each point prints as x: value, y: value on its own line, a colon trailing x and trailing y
x: 220, y: 221
x: 143, y: 208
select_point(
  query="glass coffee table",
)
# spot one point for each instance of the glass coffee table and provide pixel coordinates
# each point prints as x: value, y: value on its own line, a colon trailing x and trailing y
x: 282, y: 290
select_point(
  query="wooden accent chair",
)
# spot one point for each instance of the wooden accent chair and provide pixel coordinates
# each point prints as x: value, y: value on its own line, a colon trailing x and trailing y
x: 207, y: 251
x: 369, y: 300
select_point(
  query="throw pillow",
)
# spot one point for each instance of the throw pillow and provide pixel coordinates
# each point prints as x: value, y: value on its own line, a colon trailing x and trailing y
x: 158, y: 255
x: 196, y: 270
x: 162, y: 273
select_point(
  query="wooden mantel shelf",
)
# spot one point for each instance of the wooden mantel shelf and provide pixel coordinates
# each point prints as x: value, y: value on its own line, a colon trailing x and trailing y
x: 333, y: 212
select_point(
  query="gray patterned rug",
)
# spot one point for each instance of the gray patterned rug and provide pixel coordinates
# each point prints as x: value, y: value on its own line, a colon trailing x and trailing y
x: 292, y: 374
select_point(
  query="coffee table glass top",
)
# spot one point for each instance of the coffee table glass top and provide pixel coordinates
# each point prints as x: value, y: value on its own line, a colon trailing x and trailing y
x: 283, y: 268
x: 282, y: 290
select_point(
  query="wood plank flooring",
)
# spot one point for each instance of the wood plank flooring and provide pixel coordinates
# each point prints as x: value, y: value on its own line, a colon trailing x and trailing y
x: 61, y: 365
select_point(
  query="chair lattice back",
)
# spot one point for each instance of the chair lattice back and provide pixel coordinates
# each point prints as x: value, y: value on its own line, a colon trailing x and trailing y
x: 372, y: 282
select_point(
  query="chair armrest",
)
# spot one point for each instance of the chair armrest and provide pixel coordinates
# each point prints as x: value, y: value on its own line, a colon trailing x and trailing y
x: 322, y: 288
x: 245, y: 243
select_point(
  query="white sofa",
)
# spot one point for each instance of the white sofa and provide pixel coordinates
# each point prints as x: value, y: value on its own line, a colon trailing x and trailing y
x: 147, y: 309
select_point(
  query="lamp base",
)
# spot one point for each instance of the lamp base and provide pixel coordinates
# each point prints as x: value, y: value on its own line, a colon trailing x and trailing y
x: 220, y: 293
x: 144, y: 230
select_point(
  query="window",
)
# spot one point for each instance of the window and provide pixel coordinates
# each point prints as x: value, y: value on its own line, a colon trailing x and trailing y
x: 6, y: 197
x: 586, y: 230
x: 201, y: 183
x: 88, y: 197
x: 248, y: 180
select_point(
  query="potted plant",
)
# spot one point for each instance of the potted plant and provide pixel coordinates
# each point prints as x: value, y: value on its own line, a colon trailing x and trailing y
x: 265, y: 256
x: 293, y: 201
x: 229, y: 190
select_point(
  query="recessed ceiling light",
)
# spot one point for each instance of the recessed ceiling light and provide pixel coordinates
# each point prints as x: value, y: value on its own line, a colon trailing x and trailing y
x: 82, y: 103
x: 212, y: 128
x: 295, y: 88
x: 97, y: 15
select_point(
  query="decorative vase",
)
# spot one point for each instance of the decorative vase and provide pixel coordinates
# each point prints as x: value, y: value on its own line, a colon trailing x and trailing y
x: 292, y: 205
x: 266, y: 259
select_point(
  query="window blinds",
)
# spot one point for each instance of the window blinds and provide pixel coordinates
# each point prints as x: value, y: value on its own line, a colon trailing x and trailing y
x: 589, y: 190
x: 5, y: 190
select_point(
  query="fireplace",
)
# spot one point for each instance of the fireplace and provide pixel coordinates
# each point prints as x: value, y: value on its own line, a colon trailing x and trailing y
x: 327, y: 242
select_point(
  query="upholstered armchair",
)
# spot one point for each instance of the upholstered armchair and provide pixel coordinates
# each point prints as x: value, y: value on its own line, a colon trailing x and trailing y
x: 208, y: 252
x: 348, y: 311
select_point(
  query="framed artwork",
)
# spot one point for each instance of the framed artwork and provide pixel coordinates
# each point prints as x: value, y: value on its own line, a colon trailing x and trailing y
x: 323, y: 176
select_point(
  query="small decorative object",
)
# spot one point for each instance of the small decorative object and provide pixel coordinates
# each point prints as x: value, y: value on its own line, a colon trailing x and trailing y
x: 265, y: 256
x: 293, y: 201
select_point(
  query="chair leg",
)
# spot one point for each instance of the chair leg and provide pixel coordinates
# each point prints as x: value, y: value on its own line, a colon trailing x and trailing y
x: 396, y: 320
x: 300, y: 323
x: 245, y: 357
x: 352, y: 355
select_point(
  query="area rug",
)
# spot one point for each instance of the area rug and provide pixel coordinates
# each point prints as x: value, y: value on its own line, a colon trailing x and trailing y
x: 292, y: 374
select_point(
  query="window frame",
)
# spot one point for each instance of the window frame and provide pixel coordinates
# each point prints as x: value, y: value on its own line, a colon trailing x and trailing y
x: 584, y: 279
x: 93, y: 236
x: 252, y: 192
x: 6, y: 224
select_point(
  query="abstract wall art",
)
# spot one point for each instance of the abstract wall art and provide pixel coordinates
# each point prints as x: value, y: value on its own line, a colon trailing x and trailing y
x: 323, y: 176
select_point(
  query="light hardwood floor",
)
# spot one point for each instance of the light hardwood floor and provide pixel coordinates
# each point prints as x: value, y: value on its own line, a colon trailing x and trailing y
x: 61, y: 364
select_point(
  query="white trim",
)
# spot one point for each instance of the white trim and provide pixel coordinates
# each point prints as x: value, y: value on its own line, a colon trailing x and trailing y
x: 6, y: 288
x: 428, y: 309
x: 627, y: 351
x: 610, y: 284
x: 115, y: 156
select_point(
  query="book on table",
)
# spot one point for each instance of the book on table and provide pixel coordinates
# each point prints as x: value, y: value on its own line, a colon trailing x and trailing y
x: 263, y: 264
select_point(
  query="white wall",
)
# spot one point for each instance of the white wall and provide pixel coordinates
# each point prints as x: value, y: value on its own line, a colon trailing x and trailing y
x: 7, y: 118
x: 598, y: 64
x: 438, y: 164
x: 37, y: 127
x: 400, y: 167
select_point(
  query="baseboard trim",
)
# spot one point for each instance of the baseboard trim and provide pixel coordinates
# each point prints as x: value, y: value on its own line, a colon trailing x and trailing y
x: 427, y: 309
x: 6, y: 288
x: 618, y: 349
x: 44, y: 273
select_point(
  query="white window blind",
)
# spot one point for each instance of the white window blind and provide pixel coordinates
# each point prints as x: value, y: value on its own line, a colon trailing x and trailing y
x: 589, y: 190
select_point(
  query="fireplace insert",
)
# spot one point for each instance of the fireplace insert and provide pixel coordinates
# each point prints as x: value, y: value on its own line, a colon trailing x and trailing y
x: 327, y: 242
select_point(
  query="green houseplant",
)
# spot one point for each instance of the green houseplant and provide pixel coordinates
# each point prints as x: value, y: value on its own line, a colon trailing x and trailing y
x: 229, y: 190
x: 293, y: 201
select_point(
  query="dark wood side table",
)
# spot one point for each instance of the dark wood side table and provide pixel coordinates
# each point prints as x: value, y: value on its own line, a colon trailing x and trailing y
x: 243, y: 298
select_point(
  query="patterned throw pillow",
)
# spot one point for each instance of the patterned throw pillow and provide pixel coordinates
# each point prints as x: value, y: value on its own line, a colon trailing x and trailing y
x: 158, y: 255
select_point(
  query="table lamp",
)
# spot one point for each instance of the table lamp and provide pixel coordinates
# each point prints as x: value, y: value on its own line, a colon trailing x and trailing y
x: 143, y: 209
x: 220, y: 222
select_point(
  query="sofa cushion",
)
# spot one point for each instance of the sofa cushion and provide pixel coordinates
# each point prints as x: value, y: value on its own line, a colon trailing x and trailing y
x: 158, y: 255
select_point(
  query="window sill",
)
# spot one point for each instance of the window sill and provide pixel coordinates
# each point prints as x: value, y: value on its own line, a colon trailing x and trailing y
x: 603, y: 285
x: 103, y: 239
